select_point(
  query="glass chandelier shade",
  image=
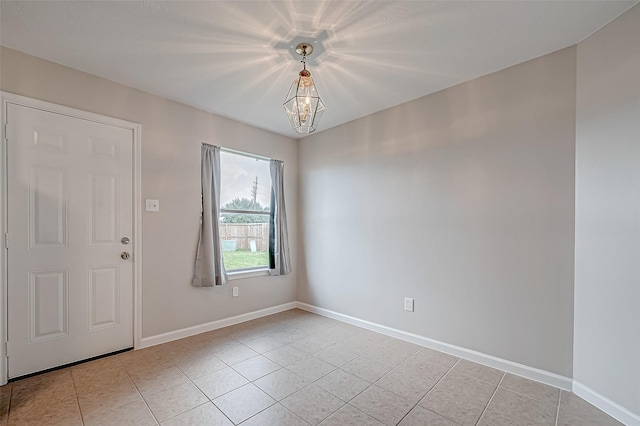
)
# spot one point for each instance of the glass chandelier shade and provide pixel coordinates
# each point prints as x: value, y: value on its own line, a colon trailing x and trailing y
x: 303, y: 105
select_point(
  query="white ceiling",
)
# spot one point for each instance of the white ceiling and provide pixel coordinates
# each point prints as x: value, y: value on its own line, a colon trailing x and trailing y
x: 233, y: 58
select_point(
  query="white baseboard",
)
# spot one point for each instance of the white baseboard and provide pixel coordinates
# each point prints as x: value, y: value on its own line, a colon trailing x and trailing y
x: 214, y: 325
x: 613, y: 409
x: 538, y: 375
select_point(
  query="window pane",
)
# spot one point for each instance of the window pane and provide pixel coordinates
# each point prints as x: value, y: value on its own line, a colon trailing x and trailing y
x: 245, y: 183
x: 245, y: 241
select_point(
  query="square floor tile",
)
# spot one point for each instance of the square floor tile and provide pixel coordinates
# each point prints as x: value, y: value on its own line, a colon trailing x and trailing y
x: 281, y: 383
x: 431, y: 356
x: 383, y: 405
x: 276, y: 415
x: 105, y: 399
x: 459, y: 398
x: 412, y: 382
x: 312, y: 404
x: 371, y: 336
x: 242, y: 403
x: 349, y: 415
x: 140, y: 361
x: 180, y: 348
x: 171, y: 402
x: 235, y: 354
x: 46, y: 411
x: 216, y: 343
x: 150, y: 382
x: 199, y: 364
x: 311, y: 368
x: 535, y: 390
x: 342, y: 384
x: 337, y: 354
x: 478, y: 371
x: 401, y: 348
x: 386, y: 356
x: 215, y: 384
x: 367, y: 369
x: 576, y: 411
x: 99, y: 374
x: 421, y: 416
x: 256, y: 367
x: 50, y: 387
x: 265, y: 343
x: 204, y: 415
x: 314, y: 343
x: 285, y: 355
x: 137, y: 413
x: 508, y: 408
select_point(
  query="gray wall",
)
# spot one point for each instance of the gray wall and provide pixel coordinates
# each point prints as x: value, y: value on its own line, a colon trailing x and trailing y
x: 463, y: 200
x: 171, y: 137
x: 607, y: 265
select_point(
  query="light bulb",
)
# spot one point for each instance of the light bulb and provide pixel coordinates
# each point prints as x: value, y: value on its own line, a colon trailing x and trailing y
x: 305, y: 111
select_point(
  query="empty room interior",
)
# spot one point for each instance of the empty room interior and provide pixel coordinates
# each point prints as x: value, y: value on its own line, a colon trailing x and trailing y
x: 320, y: 213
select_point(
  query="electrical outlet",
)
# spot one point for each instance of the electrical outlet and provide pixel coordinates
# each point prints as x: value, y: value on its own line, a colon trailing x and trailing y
x: 152, y: 205
x: 408, y: 304
x: 235, y: 292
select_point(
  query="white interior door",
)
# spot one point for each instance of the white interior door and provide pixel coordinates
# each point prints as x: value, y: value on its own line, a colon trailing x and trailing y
x: 69, y: 186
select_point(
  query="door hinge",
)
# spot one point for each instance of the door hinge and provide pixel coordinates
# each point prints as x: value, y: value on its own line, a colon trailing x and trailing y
x: 6, y: 349
x: 6, y: 240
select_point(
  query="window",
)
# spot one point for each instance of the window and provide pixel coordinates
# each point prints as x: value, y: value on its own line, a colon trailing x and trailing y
x: 245, y: 200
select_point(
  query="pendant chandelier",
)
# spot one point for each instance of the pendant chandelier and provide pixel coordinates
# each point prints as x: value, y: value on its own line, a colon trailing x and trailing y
x: 303, y: 105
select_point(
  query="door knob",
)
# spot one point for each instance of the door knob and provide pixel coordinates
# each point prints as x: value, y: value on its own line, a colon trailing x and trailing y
x: 124, y: 255
x: 124, y: 240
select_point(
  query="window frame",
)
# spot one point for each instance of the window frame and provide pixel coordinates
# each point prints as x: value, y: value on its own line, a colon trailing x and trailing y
x: 255, y: 271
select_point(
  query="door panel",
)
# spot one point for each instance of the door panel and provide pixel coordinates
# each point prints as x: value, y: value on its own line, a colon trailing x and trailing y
x: 104, y: 301
x: 47, y: 207
x: 48, y: 304
x: 70, y: 295
x: 103, y: 205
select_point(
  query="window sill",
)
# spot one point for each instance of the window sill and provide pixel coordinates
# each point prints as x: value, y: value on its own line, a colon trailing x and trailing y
x: 247, y: 274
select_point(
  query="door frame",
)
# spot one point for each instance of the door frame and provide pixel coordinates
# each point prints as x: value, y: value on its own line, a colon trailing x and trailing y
x: 10, y: 98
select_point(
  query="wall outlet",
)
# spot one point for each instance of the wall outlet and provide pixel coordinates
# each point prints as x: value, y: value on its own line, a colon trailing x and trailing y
x: 408, y: 304
x: 152, y: 205
x: 235, y: 292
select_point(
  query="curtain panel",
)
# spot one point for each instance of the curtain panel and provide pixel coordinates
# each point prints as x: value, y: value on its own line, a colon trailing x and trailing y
x: 279, y: 260
x: 209, y: 267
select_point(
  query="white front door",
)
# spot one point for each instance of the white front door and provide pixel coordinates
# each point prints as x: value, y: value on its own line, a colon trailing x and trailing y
x: 70, y: 292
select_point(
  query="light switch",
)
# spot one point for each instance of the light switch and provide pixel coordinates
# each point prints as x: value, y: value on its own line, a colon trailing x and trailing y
x: 153, y: 205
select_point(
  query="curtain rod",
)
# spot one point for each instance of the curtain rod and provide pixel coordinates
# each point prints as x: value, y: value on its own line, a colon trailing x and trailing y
x: 245, y: 154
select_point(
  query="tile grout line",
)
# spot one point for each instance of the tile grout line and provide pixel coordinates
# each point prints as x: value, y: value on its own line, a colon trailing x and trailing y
x: 344, y: 371
x: 75, y: 391
x: 504, y: 374
x: 427, y: 393
x: 558, y: 409
x: 10, y: 401
x: 250, y: 381
x: 138, y: 390
x: 442, y: 378
x: 363, y: 390
x: 279, y: 402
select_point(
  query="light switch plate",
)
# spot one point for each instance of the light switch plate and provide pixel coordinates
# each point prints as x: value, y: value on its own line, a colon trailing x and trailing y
x: 408, y: 304
x: 153, y: 205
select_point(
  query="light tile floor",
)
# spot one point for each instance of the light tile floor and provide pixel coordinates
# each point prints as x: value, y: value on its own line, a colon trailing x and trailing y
x: 292, y: 368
